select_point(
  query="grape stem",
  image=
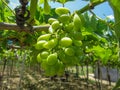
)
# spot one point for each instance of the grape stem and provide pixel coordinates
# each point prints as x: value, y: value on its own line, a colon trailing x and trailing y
x: 88, y: 6
x: 7, y: 26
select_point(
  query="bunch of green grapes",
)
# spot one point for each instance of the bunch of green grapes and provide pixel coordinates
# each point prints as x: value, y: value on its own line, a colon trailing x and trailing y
x: 61, y: 47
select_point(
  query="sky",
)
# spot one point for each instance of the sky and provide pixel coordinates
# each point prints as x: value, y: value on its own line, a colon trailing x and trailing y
x: 102, y: 10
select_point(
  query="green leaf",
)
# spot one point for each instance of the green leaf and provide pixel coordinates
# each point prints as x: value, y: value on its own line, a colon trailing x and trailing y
x: 115, y: 6
x: 93, y: 22
x: 101, y: 53
x: 90, y: 35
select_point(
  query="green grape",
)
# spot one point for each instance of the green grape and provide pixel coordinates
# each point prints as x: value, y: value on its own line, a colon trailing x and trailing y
x: 56, y: 69
x: 69, y: 51
x: 51, y: 20
x: 77, y: 42
x: 69, y: 27
x: 68, y: 60
x: 65, y: 42
x: 44, y: 54
x: 51, y: 71
x: 62, y: 10
x: 64, y: 58
x: 61, y: 69
x: 39, y: 59
x: 77, y: 35
x: 47, y: 72
x: 64, y: 18
x: 55, y: 25
x: 56, y: 65
x: 51, y: 30
x: 50, y: 44
x: 52, y: 59
x: 44, y: 64
x: 61, y: 46
x: 44, y: 37
x: 77, y: 21
x: 61, y: 54
x: 40, y: 44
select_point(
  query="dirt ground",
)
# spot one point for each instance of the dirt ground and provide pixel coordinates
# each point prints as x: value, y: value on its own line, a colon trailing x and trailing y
x: 32, y: 80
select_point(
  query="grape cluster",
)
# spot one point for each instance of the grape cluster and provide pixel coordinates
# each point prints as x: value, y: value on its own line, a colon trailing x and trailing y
x: 61, y: 47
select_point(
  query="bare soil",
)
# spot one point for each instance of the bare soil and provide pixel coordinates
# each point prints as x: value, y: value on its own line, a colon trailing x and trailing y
x: 33, y: 80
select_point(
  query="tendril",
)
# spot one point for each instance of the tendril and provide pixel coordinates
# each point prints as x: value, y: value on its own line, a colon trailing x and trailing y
x: 22, y: 14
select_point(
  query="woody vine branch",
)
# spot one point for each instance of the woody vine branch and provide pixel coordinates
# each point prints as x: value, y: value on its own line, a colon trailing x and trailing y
x: 9, y: 26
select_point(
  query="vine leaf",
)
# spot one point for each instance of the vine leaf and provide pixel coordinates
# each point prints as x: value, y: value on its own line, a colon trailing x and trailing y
x: 115, y: 6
